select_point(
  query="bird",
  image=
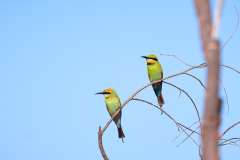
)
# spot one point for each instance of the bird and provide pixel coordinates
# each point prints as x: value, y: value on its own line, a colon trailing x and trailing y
x: 113, y: 104
x: 155, y: 72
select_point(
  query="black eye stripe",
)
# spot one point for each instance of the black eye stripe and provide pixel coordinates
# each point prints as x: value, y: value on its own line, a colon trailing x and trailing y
x: 153, y: 58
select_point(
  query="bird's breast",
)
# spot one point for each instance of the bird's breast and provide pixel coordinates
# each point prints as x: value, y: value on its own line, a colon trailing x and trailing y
x: 154, y: 73
x: 112, y: 104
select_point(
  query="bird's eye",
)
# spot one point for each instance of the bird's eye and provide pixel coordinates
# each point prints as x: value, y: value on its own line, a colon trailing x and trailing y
x: 155, y: 59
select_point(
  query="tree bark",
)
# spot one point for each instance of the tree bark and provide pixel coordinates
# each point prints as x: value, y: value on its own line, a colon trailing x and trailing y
x: 212, y: 108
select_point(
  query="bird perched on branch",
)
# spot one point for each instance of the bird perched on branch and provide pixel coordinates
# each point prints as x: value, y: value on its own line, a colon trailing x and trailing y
x: 155, y: 72
x: 113, y: 104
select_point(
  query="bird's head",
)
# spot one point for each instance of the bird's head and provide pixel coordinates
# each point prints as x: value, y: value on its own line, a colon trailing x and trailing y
x: 107, y: 92
x: 151, y: 59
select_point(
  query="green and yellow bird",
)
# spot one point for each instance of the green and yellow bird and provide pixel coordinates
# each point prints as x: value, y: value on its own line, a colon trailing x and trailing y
x: 113, y: 103
x: 155, y: 72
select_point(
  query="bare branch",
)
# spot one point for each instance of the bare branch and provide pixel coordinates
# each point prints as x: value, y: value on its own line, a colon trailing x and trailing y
x: 177, y: 58
x: 235, y: 30
x: 201, y: 83
x: 144, y: 87
x: 231, y: 68
x: 179, y: 125
x: 232, y: 141
x: 195, y: 107
x: 157, y: 107
x: 186, y: 138
x: 202, y: 65
x: 229, y: 128
x: 226, y: 95
x: 137, y: 92
x: 100, y: 134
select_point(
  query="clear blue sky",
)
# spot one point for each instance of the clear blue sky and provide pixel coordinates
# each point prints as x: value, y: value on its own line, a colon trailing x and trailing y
x: 54, y: 55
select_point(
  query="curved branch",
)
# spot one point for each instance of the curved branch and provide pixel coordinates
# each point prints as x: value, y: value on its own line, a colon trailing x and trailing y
x: 190, y: 129
x: 229, y: 141
x: 201, y: 83
x: 100, y: 145
x: 235, y: 29
x: 205, y: 64
x: 229, y: 128
x: 186, y: 138
x: 202, y: 65
x: 179, y: 125
x: 134, y: 94
x: 188, y: 97
x: 231, y: 68
x: 177, y: 58
x: 157, y: 107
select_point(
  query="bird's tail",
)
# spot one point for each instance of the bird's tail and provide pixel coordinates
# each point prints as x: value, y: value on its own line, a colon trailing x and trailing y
x: 120, y: 132
x: 119, y: 127
x: 160, y: 100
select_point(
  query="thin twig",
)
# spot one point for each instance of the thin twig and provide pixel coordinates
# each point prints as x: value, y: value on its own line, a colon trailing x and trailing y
x: 188, y: 127
x: 157, y: 107
x: 179, y: 125
x: 222, y: 65
x: 229, y: 67
x: 226, y: 95
x: 190, y: 138
x: 229, y: 141
x: 182, y: 90
x: 234, y: 143
x: 176, y: 137
x: 186, y: 138
x: 201, y: 83
x: 177, y: 58
x: 235, y: 30
x: 229, y: 128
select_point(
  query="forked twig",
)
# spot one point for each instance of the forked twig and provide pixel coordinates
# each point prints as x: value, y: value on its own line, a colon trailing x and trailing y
x: 232, y: 141
x: 186, y: 138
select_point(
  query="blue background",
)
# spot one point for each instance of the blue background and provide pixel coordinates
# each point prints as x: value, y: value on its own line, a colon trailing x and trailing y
x: 54, y: 55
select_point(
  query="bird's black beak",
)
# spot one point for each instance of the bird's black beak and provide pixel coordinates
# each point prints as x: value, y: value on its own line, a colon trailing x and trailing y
x: 101, y: 93
x: 145, y: 57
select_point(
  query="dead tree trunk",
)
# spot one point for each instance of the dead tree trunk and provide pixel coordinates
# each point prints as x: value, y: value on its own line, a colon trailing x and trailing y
x: 212, y: 108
